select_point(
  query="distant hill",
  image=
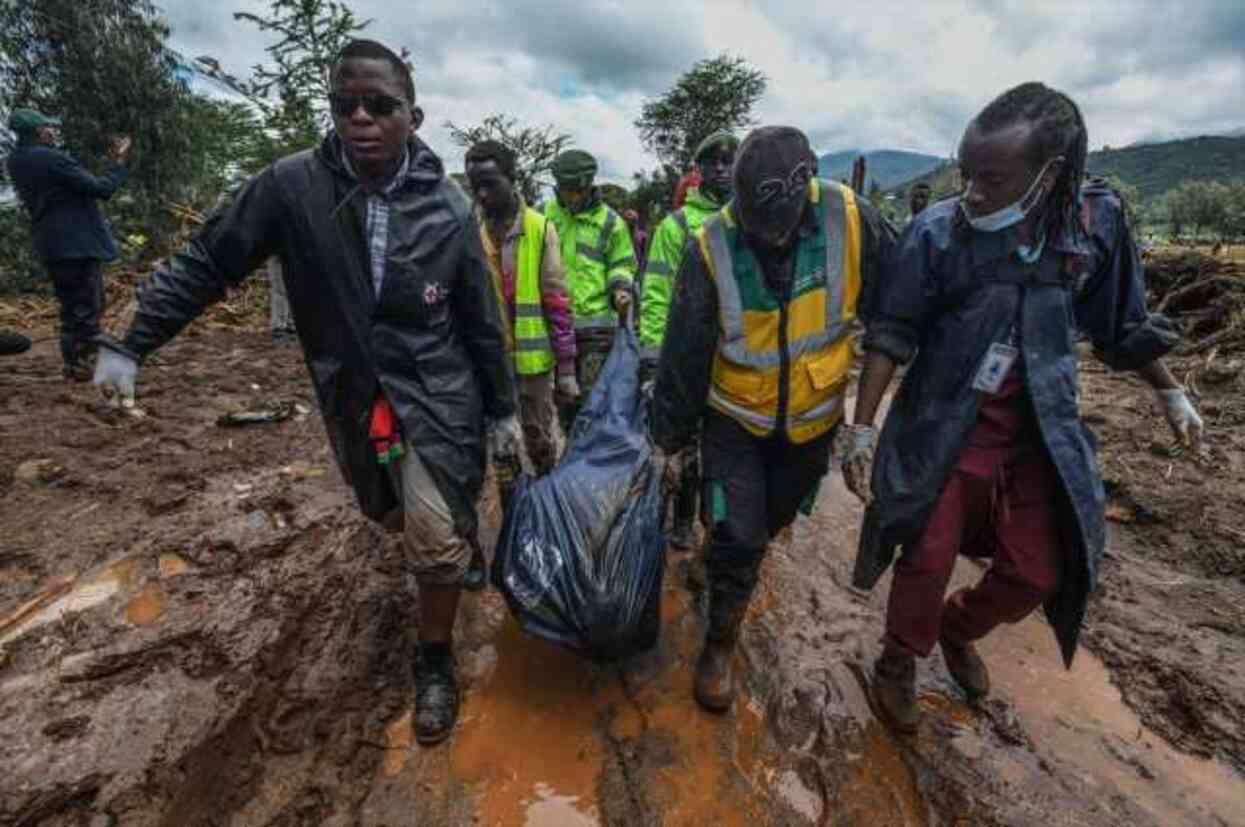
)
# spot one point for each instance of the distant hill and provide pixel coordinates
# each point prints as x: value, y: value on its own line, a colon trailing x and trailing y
x: 887, y: 167
x: 1152, y: 168
x: 1155, y: 168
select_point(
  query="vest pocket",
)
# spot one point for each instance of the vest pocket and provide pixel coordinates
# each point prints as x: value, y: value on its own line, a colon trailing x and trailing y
x: 829, y: 369
x: 746, y: 385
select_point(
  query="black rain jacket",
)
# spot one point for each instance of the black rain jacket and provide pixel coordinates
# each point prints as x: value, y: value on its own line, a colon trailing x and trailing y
x: 433, y: 340
x: 952, y: 293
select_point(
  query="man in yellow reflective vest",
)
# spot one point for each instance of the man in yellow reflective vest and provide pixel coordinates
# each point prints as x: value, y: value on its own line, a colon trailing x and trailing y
x: 600, y: 265
x: 525, y: 260
x: 715, y: 158
x: 765, y: 301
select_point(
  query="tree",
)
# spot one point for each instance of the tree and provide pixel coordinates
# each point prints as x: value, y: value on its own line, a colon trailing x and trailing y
x: 718, y: 93
x: 1130, y: 197
x: 103, y: 67
x: 292, y: 93
x: 535, y: 148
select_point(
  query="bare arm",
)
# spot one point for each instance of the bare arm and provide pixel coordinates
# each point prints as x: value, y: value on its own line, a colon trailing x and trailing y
x: 875, y: 378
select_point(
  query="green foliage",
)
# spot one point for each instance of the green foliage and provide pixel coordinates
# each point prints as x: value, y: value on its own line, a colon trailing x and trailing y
x: 617, y: 197
x: 20, y: 271
x: 534, y: 148
x: 1158, y: 168
x: 1197, y: 207
x: 653, y: 194
x: 102, y: 66
x: 718, y: 93
x: 291, y: 93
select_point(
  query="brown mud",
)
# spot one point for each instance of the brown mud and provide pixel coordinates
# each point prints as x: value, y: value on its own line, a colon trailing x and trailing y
x: 197, y: 628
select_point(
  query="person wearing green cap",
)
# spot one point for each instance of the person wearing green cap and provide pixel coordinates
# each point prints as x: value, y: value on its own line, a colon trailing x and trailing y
x: 70, y: 233
x: 600, y: 267
x: 714, y: 159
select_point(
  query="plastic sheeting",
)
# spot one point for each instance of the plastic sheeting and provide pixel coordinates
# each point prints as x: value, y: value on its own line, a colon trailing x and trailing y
x: 581, y: 552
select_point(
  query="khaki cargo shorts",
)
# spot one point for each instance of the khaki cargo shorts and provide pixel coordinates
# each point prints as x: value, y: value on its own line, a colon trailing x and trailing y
x: 435, y: 551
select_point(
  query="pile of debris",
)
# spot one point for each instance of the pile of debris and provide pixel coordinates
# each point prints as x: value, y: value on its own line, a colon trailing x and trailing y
x: 1204, y: 294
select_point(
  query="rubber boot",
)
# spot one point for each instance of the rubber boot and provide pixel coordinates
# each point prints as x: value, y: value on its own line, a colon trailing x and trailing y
x: 714, y: 685
x: 436, y: 697
x: 894, y: 688
x: 966, y: 666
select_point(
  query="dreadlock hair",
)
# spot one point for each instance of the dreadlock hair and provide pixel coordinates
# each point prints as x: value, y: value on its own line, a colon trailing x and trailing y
x: 372, y: 50
x: 1058, y: 129
x: 494, y: 151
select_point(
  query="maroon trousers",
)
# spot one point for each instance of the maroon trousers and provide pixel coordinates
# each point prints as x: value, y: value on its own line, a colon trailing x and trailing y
x: 1000, y: 502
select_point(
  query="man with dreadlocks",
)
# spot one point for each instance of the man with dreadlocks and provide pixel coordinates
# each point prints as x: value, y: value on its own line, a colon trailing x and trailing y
x: 983, y: 451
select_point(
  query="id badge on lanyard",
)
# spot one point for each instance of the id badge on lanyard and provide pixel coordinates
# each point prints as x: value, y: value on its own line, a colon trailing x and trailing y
x: 996, y: 364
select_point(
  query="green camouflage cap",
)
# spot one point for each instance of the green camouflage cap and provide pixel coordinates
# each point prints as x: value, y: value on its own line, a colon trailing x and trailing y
x: 723, y: 137
x: 28, y: 120
x: 575, y: 167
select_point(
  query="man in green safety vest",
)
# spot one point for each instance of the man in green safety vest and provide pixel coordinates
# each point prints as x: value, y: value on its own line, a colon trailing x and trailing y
x: 715, y: 157
x: 600, y: 266
x: 766, y: 299
x: 525, y: 260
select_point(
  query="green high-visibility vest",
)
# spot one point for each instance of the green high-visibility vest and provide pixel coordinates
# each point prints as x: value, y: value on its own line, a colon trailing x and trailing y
x: 598, y: 256
x: 532, y: 352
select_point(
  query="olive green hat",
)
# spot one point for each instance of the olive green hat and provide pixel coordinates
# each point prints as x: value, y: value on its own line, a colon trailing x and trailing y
x: 722, y: 137
x: 28, y: 120
x: 574, y: 168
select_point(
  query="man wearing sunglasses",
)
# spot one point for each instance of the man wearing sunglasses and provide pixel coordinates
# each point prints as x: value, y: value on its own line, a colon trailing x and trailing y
x: 400, y: 329
x: 600, y: 266
x: 765, y: 301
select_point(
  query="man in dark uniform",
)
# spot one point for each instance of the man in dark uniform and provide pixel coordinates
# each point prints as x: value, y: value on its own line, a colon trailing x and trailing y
x: 983, y: 451
x: 70, y: 233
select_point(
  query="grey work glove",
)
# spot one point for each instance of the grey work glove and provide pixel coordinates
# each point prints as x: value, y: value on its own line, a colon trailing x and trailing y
x: 506, y: 440
x: 567, y: 388
x: 857, y: 444
x: 114, y: 376
x: 1181, y: 415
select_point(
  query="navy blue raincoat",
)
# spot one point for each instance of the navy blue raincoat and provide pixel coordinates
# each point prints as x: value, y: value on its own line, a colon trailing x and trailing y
x: 951, y: 294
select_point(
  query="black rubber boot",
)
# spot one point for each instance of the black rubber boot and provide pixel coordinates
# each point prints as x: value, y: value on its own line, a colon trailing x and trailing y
x: 13, y: 343
x: 966, y: 666
x: 894, y: 688
x: 436, y: 696
x: 714, y: 685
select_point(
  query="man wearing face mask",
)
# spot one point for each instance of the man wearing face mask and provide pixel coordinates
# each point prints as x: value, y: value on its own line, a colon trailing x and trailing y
x: 400, y: 328
x: 983, y: 451
x: 765, y: 301
x: 600, y: 266
x: 715, y: 158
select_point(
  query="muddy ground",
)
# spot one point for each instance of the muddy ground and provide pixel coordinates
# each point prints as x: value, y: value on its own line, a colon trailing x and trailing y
x: 198, y: 629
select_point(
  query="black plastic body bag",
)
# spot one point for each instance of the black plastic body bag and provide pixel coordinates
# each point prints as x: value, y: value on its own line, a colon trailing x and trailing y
x: 581, y: 552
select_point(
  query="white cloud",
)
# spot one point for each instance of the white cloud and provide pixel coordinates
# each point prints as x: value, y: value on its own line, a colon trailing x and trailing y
x: 854, y: 75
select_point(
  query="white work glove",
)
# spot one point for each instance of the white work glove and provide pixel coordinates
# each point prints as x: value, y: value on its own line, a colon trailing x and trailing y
x: 114, y: 376
x: 567, y: 388
x: 1181, y: 415
x: 507, y: 437
x: 856, y: 446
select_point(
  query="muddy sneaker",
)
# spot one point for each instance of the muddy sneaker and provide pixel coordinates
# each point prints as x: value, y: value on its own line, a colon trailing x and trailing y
x: 77, y: 372
x: 714, y: 686
x: 967, y: 667
x: 436, y: 698
x: 894, y: 689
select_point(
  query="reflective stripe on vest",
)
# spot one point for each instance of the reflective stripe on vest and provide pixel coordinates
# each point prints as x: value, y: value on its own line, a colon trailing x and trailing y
x: 745, y: 383
x: 532, y: 352
x: 584, y: 252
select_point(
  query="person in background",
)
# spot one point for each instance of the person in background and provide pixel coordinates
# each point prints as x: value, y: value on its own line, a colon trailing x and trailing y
x: 600, y: 267
x: 71, y: 235
x: 715, y: 159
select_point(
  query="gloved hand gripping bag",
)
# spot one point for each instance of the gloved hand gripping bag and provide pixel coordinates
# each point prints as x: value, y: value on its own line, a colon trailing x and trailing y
x: 581, y: 552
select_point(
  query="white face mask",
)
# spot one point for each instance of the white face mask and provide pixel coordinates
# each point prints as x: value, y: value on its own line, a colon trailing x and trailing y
x: 1013, y: 213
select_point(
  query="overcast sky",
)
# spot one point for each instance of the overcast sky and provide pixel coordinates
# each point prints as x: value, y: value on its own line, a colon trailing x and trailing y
x: 853, y: 75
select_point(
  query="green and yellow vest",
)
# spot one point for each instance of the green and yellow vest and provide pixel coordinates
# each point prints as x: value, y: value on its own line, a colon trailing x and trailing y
x: 819, y: 318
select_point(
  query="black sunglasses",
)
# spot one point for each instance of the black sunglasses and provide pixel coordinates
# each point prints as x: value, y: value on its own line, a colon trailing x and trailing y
x: 378, y: 106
